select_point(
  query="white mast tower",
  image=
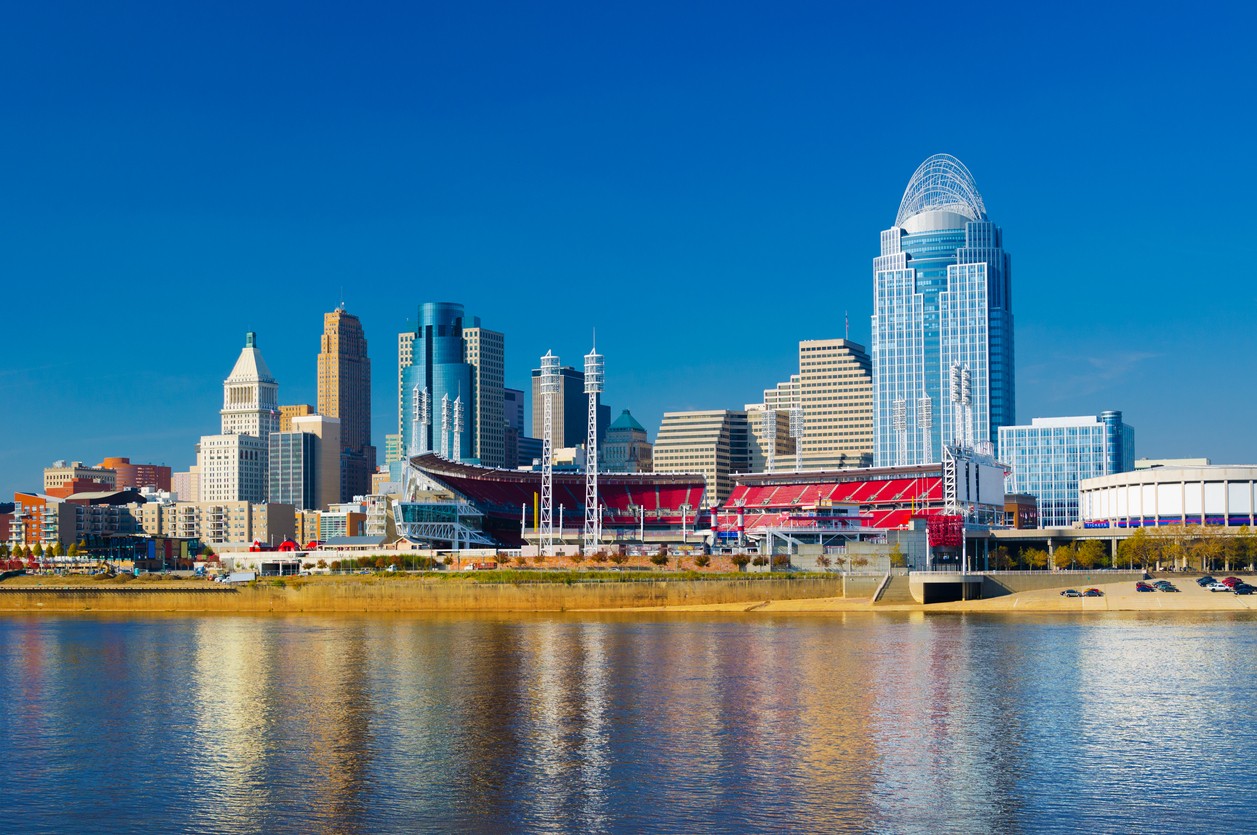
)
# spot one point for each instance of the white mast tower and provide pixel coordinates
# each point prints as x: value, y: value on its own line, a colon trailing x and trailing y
x: 768, y: 431
x: 796, y: 432
x: 421, y: 419
x: 458, y: 428
x: 549, y: 388
x: 445, y: 426
x: 593, y: 387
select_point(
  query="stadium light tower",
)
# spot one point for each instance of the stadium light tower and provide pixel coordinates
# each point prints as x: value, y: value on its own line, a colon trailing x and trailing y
x: 768, y: 430
x: 594, y: 374
x: 445, y: 426
x: 413, y: 450
x: 899, y: 418
x: 549, y: 388
x: 458, y: 428
x: 925, y: 420
x: 953, y: 395
x: 796, y: 432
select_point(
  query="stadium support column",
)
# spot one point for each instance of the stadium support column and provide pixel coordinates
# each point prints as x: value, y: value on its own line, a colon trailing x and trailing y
x: 594, y: 368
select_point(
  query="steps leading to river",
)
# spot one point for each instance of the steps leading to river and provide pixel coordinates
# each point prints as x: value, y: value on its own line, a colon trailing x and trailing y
x: 895, y: 592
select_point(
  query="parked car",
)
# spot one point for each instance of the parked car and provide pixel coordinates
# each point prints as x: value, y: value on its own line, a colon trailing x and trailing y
x: 1093, y: 593
x: 1205, y: 581
x: 1243, y: 588
x: 1166, y: 587
x: 1071, y: 593
x: 1218, y: 587
x: 1144, y: 587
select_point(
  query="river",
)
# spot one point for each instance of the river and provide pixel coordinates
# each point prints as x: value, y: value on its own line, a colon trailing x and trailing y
x: 625, y: 723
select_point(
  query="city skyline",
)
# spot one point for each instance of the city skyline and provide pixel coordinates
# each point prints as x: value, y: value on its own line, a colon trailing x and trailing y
x: 231, y: 189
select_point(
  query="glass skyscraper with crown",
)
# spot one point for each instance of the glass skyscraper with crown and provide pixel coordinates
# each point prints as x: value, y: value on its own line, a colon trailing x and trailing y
x: 942, y: 322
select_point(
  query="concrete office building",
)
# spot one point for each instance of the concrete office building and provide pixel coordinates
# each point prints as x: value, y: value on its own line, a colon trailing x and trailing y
x: 405, y: 359
x: 287, y: 413
x: 833, y: 392
x: 232, y: 468
x: 485, y: 351
x: 570, y: 410
x: 715, y: 443
x: 186, y: 485
x: 305, y: 463
x: 1050, y: 457
x: 392, y: 448
x: 942, y: 308
x: 345, y: 394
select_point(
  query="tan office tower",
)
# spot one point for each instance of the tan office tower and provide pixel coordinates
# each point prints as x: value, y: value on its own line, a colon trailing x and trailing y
x: 834, y: 390
x: 715, y: 443
x: 345, y: 393
x: 405, y: 359
x: 485, y: 351
x: 287, y: 413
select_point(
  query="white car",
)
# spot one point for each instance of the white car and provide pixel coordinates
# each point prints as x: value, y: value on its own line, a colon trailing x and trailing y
x: 1218, y: 587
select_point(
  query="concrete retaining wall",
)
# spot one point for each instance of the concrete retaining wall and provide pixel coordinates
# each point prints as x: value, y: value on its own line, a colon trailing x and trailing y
x: 400, y: 595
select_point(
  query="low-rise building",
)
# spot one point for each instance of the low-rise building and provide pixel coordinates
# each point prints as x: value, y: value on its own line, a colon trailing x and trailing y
x: 1209, y: 495
x: 136, y: 476
x: 62, y: 471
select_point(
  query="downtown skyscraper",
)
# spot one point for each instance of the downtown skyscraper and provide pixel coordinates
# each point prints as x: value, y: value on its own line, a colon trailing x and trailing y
x: 345, y: 393
x: 942, y: 322
x: 451, y: 388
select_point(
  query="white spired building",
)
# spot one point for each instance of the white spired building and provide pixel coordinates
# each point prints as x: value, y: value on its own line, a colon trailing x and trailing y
x: 233, y: 465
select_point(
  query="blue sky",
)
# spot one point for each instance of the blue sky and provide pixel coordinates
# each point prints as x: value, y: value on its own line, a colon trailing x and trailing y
x: 704, y: 183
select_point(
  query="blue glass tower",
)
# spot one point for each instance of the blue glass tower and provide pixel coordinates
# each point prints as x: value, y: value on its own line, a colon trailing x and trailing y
x: 439, y: 367
x: 942, y: 322
x: 1049, y: 457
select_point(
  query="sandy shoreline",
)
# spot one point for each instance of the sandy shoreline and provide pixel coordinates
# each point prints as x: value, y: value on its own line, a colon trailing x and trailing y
x: 1118, y: 597
x: 752, y: 597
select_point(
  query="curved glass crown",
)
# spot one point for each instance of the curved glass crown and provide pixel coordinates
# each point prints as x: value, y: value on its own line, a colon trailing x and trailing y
x: 944, y: 186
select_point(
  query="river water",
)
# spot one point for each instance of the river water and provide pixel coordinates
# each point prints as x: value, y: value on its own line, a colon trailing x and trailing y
x: 617, y: 723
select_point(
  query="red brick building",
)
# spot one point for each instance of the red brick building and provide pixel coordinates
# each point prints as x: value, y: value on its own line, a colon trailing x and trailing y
x: 135, y: 476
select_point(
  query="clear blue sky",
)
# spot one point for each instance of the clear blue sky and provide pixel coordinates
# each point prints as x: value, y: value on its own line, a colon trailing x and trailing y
x: 704, y: 183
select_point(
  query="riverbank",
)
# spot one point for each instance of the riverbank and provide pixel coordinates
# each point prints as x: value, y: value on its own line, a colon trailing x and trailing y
x: 570, y: 591
x: 1118, y: 597
x: 487, y: 592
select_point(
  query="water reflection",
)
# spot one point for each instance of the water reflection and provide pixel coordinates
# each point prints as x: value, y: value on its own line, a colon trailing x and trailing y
x: 625, y: 723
